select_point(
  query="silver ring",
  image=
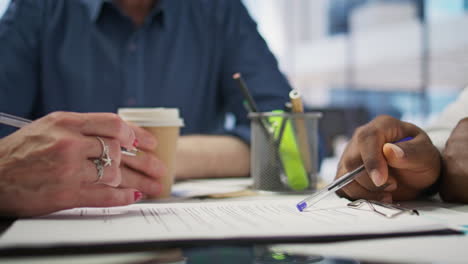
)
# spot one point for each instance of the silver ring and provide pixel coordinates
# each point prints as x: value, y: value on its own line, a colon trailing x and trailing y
x: 104, y: 161
x: 105, y: 158
x: 100, y: 169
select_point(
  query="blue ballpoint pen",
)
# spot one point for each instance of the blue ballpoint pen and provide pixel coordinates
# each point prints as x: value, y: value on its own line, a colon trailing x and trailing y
x: 334, y: 186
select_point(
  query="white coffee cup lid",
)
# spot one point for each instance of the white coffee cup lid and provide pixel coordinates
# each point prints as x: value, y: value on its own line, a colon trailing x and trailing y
x: 152, y: 116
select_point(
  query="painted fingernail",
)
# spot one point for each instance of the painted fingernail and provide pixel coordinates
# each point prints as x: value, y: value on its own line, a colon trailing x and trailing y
x: 135, y: 143
x: 399, y: 153
x: 376, y: 178
x: 137, y: 196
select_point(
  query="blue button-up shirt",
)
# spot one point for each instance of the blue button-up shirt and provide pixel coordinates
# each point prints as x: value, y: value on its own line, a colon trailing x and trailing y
x: 88, y: 56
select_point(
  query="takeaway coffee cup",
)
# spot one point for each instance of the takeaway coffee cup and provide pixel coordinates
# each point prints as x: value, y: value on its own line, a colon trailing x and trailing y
x: 164, y: 124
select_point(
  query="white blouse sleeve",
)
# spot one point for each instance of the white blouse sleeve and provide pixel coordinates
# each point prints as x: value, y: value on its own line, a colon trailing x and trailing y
x: 440, y: 130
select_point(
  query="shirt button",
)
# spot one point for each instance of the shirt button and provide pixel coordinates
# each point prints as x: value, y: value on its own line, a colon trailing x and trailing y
x: 131, y: 101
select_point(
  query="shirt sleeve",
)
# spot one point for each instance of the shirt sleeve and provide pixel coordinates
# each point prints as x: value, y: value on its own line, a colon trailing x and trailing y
x: 440, y: 130
x: 19, y: 53
x: 246, y: 52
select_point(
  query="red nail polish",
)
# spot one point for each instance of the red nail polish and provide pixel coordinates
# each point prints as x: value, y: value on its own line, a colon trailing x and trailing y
x: 135, y: 143
x: 137, y: 195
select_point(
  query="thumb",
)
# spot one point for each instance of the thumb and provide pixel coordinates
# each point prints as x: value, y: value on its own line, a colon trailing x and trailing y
x: 396, y: 155
x: 415, y: 163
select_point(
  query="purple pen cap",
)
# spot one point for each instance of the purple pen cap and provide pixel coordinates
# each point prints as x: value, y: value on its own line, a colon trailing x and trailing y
x: 301, y: 206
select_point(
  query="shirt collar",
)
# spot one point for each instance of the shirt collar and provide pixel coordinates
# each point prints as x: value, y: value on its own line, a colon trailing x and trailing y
x: 95, y: 8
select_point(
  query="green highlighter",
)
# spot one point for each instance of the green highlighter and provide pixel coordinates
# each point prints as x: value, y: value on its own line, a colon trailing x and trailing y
x: 289, y: 153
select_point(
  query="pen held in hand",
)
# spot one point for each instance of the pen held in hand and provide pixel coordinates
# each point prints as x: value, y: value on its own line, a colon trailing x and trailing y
x: 16, y: 121
x: 331, y: 188
x: 335, y: 185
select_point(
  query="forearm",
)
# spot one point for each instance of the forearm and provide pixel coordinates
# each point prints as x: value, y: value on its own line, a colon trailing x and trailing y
x: 200, y: 156
x: 454, y: 181
x: 452, y: 194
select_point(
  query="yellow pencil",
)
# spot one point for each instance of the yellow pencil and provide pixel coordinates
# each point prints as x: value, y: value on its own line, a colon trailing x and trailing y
x: 302, y: 137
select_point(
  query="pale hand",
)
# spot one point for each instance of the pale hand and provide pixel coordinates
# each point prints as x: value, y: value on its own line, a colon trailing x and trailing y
x: 47, y: 165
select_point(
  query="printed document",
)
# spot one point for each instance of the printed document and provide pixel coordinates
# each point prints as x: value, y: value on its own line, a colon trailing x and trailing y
x: 206, y: 220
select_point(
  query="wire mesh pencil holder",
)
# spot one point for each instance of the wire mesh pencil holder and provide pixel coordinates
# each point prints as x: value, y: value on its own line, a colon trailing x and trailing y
x: 284, y: 151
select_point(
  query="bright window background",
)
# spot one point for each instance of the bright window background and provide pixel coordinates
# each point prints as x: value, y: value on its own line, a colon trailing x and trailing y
x: 372, y: 53
x: 3, y: 6
x: 355, y: 59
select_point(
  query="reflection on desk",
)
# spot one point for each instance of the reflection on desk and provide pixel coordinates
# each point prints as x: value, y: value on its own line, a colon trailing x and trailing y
x: 189, y: 255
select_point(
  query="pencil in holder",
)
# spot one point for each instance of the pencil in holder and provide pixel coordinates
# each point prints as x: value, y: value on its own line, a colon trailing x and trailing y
x: 284, y: 151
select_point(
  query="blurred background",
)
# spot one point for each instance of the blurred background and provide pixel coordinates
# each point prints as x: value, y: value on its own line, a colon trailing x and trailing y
x: 355, y: 59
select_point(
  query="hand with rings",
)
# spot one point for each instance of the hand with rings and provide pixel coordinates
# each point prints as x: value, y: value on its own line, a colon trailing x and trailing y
x: 65, y: 160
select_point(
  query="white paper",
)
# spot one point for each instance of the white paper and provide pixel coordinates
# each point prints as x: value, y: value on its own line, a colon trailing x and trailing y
x: 214, y: 220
